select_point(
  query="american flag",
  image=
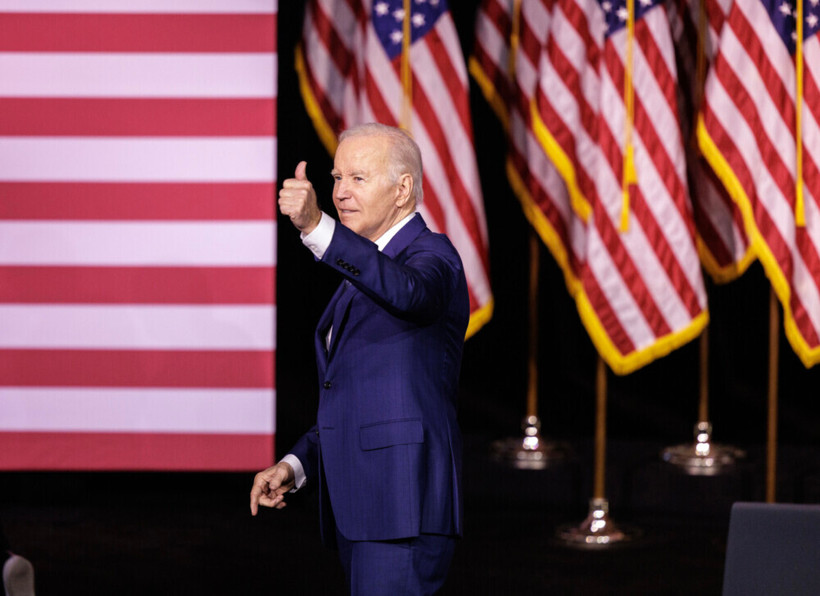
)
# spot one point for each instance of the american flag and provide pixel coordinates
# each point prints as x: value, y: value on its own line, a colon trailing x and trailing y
x: 722, y: 242
x: 350, y: 67
x: 748, y: 131
x: 137, y: 234
x: 640, y: 293
x: 510, y: 89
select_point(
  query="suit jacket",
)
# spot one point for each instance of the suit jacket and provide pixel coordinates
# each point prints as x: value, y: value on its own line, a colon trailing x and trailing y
x: 386, y: 449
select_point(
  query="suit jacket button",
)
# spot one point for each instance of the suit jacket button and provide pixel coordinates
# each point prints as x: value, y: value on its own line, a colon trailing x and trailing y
x: 340, y: 262
x: 327, y: 385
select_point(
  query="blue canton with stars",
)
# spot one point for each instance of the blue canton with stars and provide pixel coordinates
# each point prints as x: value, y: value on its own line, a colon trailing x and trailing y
x: 783, y: 13
x: 616, y: 14
x: 388, y: 20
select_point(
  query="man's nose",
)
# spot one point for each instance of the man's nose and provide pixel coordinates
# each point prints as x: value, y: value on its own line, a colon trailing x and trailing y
x: 340, y: 190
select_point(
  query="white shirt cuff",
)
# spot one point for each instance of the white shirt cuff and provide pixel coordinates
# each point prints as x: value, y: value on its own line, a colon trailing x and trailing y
x: 319, y: 239
x: 299, y: 477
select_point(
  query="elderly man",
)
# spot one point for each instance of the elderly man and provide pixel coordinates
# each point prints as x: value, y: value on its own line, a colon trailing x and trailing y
x: 386, y: 449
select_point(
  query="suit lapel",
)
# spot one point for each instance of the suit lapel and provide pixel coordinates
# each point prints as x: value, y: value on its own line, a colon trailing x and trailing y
x: 405, y: 236
x: 337, y: 310
x: 340, y: 311
x: 324, y: 324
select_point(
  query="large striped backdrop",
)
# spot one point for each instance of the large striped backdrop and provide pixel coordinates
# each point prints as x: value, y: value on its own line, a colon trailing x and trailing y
x: 137, y: 234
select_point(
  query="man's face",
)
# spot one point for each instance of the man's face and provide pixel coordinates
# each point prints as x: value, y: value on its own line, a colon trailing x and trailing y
x: 368, y: 202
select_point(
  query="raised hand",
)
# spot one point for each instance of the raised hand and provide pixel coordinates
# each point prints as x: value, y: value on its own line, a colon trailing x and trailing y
x: 297, y: 200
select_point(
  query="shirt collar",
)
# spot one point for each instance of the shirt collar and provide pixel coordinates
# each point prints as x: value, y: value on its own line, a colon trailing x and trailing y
x: 385, y: 238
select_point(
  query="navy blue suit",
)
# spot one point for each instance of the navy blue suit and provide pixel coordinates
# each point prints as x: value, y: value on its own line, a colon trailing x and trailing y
x: 386, y: 449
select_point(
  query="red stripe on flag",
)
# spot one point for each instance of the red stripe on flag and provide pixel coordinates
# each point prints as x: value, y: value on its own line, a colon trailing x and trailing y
x: 33, y: 116
x: 565, y: 137
x: 498, y: 17
x: 609, y: 318
x: 771, y: 157
x: 665, y: 254
x: 726, y: 146
x: 747, y: 35
x: 137, y: 451
x: 137, y: 285
x: 68, y: 32
x: 450, y: 76
x: 137, y: 368
x: 628, y: 270
x: 137, y: 201
x: 438, y: 135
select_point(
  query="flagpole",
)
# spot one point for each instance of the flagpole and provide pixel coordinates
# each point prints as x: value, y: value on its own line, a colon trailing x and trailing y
x: 598, y: 487
x: 597, y: 530
x: 703, y: 457
x: 774, y: 356
x: 531, y: 451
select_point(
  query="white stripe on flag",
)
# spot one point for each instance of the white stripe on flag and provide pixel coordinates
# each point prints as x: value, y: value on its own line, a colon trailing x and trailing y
x: 154, y: 243
x: 92, y: 409
x: 127, y: 74
x: 186, y: 327
x: 137, y: 159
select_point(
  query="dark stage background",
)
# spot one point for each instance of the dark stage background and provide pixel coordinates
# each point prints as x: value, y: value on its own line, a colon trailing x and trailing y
x: 183, y: 533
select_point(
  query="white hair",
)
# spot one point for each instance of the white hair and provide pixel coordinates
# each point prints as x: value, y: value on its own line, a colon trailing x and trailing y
x: 404, y: 156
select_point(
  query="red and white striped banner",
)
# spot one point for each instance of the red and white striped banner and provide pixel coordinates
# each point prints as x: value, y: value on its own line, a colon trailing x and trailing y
x: 137, y: 234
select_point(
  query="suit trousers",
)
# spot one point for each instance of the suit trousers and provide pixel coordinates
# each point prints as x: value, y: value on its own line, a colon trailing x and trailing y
x: 410, y: 566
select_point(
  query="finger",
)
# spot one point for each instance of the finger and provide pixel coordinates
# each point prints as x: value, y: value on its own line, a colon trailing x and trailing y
x: 266, y: 501
x: 301, y: 171
x: 297, y: 183
x: 256, y: 495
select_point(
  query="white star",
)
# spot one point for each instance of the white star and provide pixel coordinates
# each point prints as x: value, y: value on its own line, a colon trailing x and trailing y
x: 418, y: 20
x: 646, y: 2
x: 623, y: 14
x: 420, y: 1
x: 433, y: 2
x: 396, y: 36
x: 785, y: 8
x: 814, y: 2
x: 811, y: 20
x: 381, y: 8
x: 398, y: 14
x: 607, y: 6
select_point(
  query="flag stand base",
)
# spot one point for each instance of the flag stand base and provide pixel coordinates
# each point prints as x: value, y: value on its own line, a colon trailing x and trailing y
x: 530, y: 452
x: 703, y: 458
x: 597, y: 530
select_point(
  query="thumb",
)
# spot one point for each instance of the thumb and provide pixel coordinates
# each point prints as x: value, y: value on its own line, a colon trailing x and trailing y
x: 301, y: 170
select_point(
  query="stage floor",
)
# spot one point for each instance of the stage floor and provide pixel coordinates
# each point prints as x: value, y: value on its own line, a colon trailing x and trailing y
x: 192, y: 533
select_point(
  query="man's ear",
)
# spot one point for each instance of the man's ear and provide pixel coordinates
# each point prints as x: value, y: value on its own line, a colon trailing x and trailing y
x: 405, y: 189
